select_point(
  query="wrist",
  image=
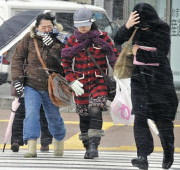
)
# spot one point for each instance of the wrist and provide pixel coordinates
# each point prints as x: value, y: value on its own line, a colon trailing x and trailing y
x: 127, y: 26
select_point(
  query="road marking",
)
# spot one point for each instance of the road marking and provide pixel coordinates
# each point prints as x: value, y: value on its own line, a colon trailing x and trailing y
x: 79, y: 146
x: 74, y: 160
x: 76, y: 123
x: 73, y: 143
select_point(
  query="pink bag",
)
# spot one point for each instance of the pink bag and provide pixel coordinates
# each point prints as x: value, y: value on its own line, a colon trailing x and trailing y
x: 121, y: 106
x: 135, y: 62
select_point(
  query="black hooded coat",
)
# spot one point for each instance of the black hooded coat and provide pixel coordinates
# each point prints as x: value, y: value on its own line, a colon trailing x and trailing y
x: 152, y: 88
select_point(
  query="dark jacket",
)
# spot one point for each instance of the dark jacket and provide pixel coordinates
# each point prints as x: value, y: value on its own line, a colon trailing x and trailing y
x: 152, y: 86
x: 35, y: 75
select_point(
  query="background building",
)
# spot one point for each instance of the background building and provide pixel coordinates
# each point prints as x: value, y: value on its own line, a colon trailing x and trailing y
x: 168, y: 10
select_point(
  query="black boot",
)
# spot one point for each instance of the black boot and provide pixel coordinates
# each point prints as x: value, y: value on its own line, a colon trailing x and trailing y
x: 85, y: 140
x: 167, y: 161
x: 86, y: 146
x: 93, y: 148
x: 140, y: 162
x: 94, y: 141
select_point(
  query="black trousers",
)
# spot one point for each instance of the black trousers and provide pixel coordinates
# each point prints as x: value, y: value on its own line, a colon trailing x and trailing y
x: 17, y: 128
x: 144, y: 139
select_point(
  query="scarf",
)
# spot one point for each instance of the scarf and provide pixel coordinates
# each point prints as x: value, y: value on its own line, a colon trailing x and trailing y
x: 87, y: 39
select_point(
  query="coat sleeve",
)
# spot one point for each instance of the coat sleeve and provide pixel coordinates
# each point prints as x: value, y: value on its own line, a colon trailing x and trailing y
x: 163, y: 45
x: 67, y: 62
x: 123, y: 35
x: 20, y: 54
x: 111, y: 59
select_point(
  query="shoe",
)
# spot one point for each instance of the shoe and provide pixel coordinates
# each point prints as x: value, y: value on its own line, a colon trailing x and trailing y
x: 140, y: 162
x: 15, y: 147
x: 167, y: 162
x: 44, y: 148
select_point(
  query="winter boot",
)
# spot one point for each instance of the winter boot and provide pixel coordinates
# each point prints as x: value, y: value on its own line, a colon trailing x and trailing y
x: 140, y: 162
x: 85, y: 140
x: 58, y: 147
x: 32, y: 144
x: 94, y: 141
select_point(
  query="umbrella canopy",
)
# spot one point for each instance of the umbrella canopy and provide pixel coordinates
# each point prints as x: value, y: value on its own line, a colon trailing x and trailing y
x: 13, y: 29
x: 15, y: 105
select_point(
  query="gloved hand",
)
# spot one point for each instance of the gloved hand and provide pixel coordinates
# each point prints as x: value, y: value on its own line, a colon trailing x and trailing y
x: 47, y: 40
x: 115, y: 78
x: 77, y: 87
x: 19, y: 87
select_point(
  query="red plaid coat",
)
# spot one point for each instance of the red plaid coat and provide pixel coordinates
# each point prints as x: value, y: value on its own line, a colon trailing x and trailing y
x: 85, y: 70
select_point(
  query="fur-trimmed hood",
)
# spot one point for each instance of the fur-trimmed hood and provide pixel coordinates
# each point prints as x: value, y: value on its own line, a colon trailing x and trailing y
x: 32, y: 30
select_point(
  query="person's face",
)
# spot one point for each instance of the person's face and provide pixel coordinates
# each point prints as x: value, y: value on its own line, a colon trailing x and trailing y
x: 45, y: 26
x: 84, y: 29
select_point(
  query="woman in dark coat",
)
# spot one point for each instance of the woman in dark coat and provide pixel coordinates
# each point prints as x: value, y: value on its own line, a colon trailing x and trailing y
x: 152, y: 88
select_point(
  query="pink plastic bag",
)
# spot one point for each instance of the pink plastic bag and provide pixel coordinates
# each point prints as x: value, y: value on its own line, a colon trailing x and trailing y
x: 121, y: 106
x: 135, y: 62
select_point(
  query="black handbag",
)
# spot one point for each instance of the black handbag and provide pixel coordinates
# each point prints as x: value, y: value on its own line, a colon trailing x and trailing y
x: 109, y: 81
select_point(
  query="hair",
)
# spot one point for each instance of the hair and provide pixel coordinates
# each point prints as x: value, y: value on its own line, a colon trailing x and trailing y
x: 148, y: 15
x: 94, y: 26
x: 46, y: 16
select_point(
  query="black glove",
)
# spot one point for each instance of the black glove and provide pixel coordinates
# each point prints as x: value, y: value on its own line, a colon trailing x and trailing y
x: 19, y: 87
x: 47, y: 40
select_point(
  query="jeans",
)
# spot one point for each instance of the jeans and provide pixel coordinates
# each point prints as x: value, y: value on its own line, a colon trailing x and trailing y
x: 33, y: 100
x: 17, y: 127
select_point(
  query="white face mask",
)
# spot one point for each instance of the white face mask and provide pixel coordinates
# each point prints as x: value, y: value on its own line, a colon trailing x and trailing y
x: 40, y: 34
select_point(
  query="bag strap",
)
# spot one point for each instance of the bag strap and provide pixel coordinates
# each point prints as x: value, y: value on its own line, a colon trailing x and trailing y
x: 97, y: 65
x: 132, y: 36
x: 39, y: 56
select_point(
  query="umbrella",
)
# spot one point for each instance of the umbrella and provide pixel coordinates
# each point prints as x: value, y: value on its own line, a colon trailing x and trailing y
x: 13, y: 29
x: 15, y: 105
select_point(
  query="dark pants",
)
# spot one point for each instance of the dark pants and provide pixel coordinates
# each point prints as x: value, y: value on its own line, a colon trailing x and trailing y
x: 144, y: 139
x: 17, y: 128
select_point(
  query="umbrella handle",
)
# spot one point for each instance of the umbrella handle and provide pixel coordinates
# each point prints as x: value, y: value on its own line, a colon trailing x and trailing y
x: 4, y: 147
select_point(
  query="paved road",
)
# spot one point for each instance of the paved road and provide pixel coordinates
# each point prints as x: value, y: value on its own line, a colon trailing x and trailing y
x: 117, y: 149
x: 73, y: 160
x: 117, y: 137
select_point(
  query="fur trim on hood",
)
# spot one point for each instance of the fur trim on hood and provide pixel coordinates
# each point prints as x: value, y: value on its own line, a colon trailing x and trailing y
x: 32, y: 29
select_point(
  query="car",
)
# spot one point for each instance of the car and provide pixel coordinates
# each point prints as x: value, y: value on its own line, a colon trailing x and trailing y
x: 63, y: 11
x: 4, y: 66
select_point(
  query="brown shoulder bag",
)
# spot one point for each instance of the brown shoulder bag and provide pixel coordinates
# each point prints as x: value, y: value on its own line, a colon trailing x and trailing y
x: 59, y: 90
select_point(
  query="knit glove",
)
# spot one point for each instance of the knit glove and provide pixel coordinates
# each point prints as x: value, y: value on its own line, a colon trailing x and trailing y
x: 77, y: 87
x: 47, y: 40
x: 19, y: 87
